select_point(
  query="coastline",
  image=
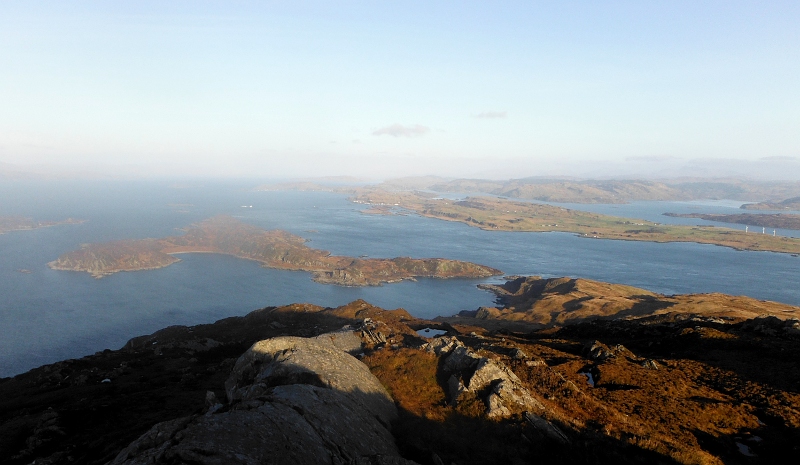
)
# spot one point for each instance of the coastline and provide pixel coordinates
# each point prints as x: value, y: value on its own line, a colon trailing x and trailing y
x: 493, y: 214
x: 27, y: 224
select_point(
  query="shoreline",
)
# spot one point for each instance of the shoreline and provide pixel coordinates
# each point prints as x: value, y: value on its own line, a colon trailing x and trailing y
x: 38, y: 225
x: 629, y: 239
x: 494, y: 214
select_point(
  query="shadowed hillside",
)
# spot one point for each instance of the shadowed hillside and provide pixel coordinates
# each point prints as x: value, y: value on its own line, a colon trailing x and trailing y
x: 692, y: 383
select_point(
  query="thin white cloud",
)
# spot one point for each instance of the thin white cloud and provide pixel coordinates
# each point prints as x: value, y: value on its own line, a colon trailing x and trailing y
x: 492, y: 114
x: 398, y: 130
x: 779, y: 158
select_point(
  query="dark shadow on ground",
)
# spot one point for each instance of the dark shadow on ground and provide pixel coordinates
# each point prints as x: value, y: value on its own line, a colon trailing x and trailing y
x: 472, y: 441
x: 767, y: 359
x: 67, y: 411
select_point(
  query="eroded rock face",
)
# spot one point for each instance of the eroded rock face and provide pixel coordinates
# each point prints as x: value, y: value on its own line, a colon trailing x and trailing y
x: 599, y: 351
x: 291, y: 400
x: 502, y: 391
x: 772, y: 326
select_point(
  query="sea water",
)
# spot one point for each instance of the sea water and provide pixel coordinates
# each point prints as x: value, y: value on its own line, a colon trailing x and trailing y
x: 48, y: 315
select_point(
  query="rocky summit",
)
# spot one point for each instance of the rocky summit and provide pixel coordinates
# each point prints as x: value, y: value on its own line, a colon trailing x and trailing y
x: 361, y: 385
x: 289, y: 400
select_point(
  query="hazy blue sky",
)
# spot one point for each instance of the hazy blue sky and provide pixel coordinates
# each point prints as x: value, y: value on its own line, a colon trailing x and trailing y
x: 389, y: 88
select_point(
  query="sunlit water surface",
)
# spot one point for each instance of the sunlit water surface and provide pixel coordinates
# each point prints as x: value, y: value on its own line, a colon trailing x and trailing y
x: 48, y: 315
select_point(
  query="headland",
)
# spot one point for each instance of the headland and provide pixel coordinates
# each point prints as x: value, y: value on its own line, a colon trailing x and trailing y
x: 550, y: 302
x: 788, y: 204
x: 21, y: 223
x: 768, y: 220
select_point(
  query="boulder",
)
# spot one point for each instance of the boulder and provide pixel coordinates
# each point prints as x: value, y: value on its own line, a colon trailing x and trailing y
x: 318, y: 361
x: 650, y: 364
x: 601, y: 352
x: 291, y: 400
x: 502, y: 391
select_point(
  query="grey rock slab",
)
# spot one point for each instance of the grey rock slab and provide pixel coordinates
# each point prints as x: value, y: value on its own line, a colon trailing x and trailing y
x: 271, y: 434
x: 292, y: 400
x: 294, y: 360
x: 340, y: 420
x: 345, y: 340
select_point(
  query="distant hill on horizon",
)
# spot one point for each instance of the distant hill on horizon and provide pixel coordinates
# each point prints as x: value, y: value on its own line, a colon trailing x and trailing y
x: 577, y: 190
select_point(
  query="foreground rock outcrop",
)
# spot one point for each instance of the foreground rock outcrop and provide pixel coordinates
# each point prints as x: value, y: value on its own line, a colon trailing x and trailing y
x: 290, y: 400
x: 503, y: 392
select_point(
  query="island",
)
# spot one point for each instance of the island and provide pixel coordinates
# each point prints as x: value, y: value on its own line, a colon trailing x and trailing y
x: 788, y: 204
x: 498, y: 214
x: 767, y: 220
x: 273, y: 249
x: 22, y: 223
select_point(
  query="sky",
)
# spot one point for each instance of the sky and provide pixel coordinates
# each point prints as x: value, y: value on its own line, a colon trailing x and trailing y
x: 381, y: 89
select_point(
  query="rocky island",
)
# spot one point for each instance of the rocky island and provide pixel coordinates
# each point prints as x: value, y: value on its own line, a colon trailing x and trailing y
x: 497, y: 214
x: 273, y: 249
x: 768, y: 220
x: 686, y: 383
x: 21, y: 223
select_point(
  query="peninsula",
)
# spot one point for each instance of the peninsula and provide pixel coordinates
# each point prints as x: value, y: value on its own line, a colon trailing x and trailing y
x: 21, y: 223
x: 497, y: 214
x: 273, y: 249
x: 788, y: 204
x: 767, y: 220
x: 533, y: 301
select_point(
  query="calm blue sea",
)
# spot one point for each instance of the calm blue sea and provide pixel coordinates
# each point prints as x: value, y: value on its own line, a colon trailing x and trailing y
x: 50, y: 315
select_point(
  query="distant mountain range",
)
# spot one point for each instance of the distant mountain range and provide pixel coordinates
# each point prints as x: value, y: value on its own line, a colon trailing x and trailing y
x: 575, y: 190
x: 567, y: 190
